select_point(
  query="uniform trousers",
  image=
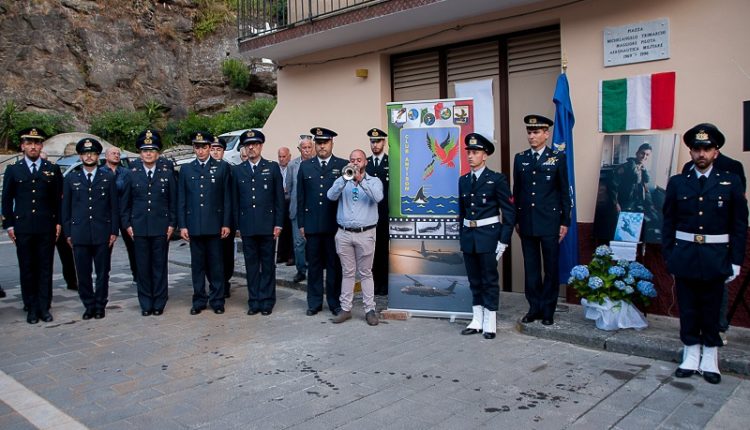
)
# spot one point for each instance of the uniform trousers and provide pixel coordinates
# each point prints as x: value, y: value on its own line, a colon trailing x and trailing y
x: 261, y: 272
x: 700, y: 302
x: 35, y: 257
x: 86, y: 258
x: 380, y: 263
x: 356, y: 252
x: 206, y: 259
x: 151, y: 257
x: 484, y: 281
x: 541, y: 295
x: 299, y: 248
x: 286, y: 241
x: 65, y: 252
x: 130, y: 247
x: 320, y: 249
x: 227, y: 252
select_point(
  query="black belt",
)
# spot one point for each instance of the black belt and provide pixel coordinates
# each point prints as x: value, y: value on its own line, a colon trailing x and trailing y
x: 358, y: 229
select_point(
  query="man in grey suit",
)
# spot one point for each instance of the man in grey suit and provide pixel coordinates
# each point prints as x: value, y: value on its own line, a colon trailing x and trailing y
x: 306, y: 152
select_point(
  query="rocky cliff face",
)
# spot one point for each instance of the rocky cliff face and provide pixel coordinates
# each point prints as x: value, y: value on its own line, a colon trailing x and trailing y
x: 84, y: 57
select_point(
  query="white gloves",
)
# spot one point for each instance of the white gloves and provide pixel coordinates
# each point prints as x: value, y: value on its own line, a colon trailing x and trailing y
x: 500, y: 250
x: 735, y: 273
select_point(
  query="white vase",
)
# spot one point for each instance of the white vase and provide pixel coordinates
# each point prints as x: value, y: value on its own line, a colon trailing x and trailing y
x: 614, y: 314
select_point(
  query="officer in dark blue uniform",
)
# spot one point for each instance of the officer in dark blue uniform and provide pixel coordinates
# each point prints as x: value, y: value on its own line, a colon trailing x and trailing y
x: 149, y: 217
x: 703, y: 243
x: 486, y: 215
x: 316, y: 218
x: 204, y: 212
x: 377, y: 166
x: 259, y: 216
x: 32, y: 190
x: 90, y: 216
x: 112, y: 162
x: 218, y: 146
x: 543, y: 205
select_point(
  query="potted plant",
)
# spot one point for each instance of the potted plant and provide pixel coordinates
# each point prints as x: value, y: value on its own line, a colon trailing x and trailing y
x: 609, y: 290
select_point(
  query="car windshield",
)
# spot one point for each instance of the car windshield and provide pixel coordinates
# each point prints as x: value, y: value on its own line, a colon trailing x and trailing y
x: 231, y: 141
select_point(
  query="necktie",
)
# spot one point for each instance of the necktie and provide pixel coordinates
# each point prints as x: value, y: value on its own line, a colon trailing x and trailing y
x: 323, y: 164
x: 149, y: 174
x: 252, y: 168
x: 377, y: 162
x: 702, y: 180
x: 536, y: 157
x: 33, y: 168
x: 473, y: 179
x: 89, y: 176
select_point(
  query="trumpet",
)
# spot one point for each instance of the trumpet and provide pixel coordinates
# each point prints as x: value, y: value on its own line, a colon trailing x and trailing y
x: 349, y: 172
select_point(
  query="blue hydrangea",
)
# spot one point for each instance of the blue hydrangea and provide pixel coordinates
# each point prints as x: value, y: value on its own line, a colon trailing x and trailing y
x: 595, y: 283
x: 639, y: 271
x: 571, y: 279
x: 580, y: 272
x: 616, y: 271
x: 628, y: 289
x: 621, y: 285
x: 623, y: 263
x: 629, y: 280
x: 646, y: 288
x: 603, y: 251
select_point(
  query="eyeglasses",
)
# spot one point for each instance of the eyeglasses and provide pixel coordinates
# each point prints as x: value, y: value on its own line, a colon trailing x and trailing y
x: 355, y: 194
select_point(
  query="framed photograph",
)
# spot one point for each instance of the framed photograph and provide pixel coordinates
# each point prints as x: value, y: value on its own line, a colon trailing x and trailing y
x: 629, y: 226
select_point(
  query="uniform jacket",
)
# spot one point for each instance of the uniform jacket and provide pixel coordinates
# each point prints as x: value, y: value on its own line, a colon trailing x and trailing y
x: 291, y: 185
x: 725, y: 164
x: 381, y: 172
x: 490, y: 196
x: 90, y: 213
x: 259, y: 198
x: 150, y: 206
x: 720, y: 208
x: 204, y: 202
x: 31, y: 203
x: 541, y: 193
x: 315, y: 213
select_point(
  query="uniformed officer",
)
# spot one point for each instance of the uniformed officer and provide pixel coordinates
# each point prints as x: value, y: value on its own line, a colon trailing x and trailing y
x: 316, y: 218
x: 112, y: 162
x: 543, y: 205
x: 149, y: 217
x: 703, y: 243
x: 218, y: 146
x: 32, y: 190
x: 259, y: 216
x: 486, y: 215
x: 204, y: 209
x: 377, y: 166
x: 90, y: 216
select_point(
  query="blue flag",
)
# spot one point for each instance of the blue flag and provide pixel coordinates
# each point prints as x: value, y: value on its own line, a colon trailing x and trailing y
x: 562, y: 139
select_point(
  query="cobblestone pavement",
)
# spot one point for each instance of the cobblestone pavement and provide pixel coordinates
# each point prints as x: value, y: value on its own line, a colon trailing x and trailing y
x: 288, y: 370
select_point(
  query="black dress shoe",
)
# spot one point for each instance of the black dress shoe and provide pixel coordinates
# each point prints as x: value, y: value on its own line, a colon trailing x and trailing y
x: 2, y: 293
x: 712, y: 377
x: 547, y: 321
x: 468, y: 331
x: 489, y: 335
x: 528, y: 318
x: 311, y: 312
x: 684, y: 373
x: 99, y: 314
x: 87, y: 315
x: 219, y: 311
x: 265, y: 313
x: 253, y: 311
x: 31, y: 318
x: 145, y: 313
x: 158, y: 312
x: 299, y: 277
x: 195, y: 311
x: 46, y: 317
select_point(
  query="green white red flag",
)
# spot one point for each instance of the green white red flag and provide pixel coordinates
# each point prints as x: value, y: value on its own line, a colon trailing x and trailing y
x: 643, y: 102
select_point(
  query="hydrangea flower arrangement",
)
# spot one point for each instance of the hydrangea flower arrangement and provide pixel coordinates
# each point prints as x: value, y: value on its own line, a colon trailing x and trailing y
x: 617, y: 280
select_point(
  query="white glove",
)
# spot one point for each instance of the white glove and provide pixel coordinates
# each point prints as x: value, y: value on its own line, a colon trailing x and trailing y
x: 500, y: 250
x: 735, y: 273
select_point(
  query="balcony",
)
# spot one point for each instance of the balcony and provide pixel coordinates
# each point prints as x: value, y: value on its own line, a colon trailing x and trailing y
x: 282, y: 29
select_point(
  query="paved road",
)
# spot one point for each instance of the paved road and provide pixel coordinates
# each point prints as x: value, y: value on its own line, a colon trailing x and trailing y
x: 292, y: 371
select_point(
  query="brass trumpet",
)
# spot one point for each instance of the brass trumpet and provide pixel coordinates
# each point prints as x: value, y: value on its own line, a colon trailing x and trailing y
x: 349, y: 171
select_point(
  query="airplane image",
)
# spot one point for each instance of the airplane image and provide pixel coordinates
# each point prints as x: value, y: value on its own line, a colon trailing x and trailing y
x: 452, y: 227
x: 401, y: 228
x: 419, y: 289
x: 439, y: 256
x: 431, y: 228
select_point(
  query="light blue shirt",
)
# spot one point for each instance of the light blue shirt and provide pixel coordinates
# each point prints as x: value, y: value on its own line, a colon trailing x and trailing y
x: 362, y: 212
x: 38, y: 163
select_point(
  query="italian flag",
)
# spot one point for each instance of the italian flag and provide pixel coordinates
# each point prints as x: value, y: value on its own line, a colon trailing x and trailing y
x: 643, y: 102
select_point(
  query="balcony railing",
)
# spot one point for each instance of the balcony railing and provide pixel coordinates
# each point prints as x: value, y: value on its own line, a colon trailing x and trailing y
x: 259, y: 17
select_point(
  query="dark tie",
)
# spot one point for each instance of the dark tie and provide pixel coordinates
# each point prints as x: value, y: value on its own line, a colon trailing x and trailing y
x: 89, y: 176
x: 149, y: 174
x: 33, y: 168
x: 536, y: 157
x: 702, y: 180
x: 252, y: 168
x: 377, y: 162
x: 323, y: 164
x: 473, y: 179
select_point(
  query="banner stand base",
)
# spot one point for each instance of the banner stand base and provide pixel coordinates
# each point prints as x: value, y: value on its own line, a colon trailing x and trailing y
x: 452, y: 316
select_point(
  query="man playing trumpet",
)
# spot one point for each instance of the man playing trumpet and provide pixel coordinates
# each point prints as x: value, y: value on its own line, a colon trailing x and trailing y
x: 358, y: 195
